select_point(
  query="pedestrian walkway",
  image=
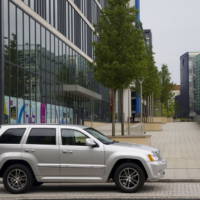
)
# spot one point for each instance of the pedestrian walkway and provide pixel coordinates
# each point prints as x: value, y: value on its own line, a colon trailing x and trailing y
x: 150, y: 191
x: 179, y: 143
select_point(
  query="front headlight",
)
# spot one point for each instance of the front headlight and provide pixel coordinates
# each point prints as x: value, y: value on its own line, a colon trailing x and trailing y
x: 153, y: 157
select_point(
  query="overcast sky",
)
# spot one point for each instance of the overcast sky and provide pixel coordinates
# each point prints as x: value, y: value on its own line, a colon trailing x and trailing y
x: 175, y: 26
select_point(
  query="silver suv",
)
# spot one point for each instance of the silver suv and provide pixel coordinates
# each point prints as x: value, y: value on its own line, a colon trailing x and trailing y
x: 34, y: 154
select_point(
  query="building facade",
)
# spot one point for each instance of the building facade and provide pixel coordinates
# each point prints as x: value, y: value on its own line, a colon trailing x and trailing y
x: 148, y: 38
x: 197, y: 85
x: 45, y: 57
x: 187, y: 96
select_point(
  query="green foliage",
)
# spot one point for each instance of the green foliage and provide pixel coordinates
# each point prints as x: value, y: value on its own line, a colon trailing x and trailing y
x: 120, y: 49
x: 166, y: 85
x: 169, y: 109
x: 166, y: 97
x: 150, y: 75
x: 152, y: 83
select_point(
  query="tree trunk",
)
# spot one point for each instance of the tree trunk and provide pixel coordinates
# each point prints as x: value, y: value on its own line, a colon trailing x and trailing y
x: 148, y: 109
x: 122, y: 110
x: 113, y: 110
x: 161, y: 109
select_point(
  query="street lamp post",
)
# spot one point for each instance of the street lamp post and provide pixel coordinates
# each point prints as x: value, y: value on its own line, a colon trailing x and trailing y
x: 141, y: 99
x: 129, y: 99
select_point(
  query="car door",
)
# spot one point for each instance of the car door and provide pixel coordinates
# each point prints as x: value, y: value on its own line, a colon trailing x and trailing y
x: 42, y: 150
x: 79, y: 160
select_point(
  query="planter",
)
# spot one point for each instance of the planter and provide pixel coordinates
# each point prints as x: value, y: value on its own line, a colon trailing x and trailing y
x: 144, y: 139
x: 152, y: 127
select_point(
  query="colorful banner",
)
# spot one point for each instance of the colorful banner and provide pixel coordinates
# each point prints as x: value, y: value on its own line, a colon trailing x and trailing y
x: 20, y: 111
x: 43, y: 113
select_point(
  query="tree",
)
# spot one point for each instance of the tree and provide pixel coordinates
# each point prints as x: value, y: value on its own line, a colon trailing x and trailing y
x: 151, y: 79
x: 166, y: 89
x: 119, y: 48
x: 150, y: 76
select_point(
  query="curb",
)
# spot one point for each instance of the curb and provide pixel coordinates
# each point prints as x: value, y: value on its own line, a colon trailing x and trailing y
x: 125, y: 198
x: 178, y: 181
x: 164, y: 181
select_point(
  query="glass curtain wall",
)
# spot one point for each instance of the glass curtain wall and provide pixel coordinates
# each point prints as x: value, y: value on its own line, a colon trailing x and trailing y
x: 61, y: 15
x: 37, y: 66
x: 197, y: 84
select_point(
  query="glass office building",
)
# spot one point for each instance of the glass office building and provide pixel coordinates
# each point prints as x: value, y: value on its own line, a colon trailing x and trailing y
x: 45, y: 68
x: 197, y: 84
x: 187, y: 96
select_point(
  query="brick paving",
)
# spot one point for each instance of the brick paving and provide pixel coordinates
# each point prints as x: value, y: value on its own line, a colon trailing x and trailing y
x: 179, y: 143
x: 155, y: 190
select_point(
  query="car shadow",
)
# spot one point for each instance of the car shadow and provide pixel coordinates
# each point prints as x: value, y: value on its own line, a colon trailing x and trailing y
x: 75, y: 188
x: 82, y: 188
x: 107, y: 188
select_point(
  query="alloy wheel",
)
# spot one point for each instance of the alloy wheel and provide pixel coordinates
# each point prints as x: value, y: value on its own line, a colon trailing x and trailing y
x: 129, y: 178
x: 17, y: 179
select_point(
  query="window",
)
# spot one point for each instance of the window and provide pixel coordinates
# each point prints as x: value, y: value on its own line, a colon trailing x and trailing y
x: 73, y: 137
x: 43, y: 136
x: 12, y: 136
x: 98, y: 135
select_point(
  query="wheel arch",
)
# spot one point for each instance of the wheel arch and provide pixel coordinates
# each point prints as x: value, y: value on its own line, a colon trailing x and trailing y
x: 15, y: 161
x: 122, y: 161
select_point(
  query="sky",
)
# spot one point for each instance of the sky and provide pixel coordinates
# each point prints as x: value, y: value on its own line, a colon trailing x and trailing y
x: 175, y: 26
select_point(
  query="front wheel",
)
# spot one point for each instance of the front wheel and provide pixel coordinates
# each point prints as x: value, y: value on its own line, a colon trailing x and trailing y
x: 129, y: 177
x: 17, y: 179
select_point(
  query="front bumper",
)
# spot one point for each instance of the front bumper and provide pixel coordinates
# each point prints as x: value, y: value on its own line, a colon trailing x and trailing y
x: 157, y: 170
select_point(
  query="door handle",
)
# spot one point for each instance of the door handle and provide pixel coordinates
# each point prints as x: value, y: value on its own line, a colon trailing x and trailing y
x: 29, y: 150
x: 67, y: 151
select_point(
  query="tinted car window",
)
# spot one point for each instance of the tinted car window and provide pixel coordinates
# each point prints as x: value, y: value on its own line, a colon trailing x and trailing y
x: 12, y: 136
x: 73, y: 137
x: 43, y: 136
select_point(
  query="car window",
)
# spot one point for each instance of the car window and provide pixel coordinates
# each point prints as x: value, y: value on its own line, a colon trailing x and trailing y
x: 73, y: 137
x: 100, y: 136
x: 12, y: 136
x: 43, y: 136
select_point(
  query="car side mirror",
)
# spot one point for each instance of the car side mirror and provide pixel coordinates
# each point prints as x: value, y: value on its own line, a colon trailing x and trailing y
x: 90, y: 142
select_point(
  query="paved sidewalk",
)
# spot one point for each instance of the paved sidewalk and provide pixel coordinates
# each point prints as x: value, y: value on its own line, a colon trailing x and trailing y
x: 179, y: 143
x: 150, y: 191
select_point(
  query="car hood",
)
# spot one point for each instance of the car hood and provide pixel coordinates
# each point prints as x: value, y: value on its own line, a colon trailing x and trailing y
x: 123, y: 145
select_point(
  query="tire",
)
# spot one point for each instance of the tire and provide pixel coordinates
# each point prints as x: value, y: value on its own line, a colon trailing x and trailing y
x: 129, y: 177
x: 17, y: 179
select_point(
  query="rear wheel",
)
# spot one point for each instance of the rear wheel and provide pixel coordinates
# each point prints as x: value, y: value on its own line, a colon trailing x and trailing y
x: 17, y: 179
x: 129, y: 177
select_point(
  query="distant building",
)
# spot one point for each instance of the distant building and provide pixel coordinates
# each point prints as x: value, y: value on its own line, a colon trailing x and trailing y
x: 187, y: 101
x: 176, y: 90
x: 197, y: 84
x: 148, y: 38
x: 137, y: 6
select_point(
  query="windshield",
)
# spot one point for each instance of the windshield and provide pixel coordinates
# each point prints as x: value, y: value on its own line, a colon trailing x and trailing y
x: 100, y: 136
